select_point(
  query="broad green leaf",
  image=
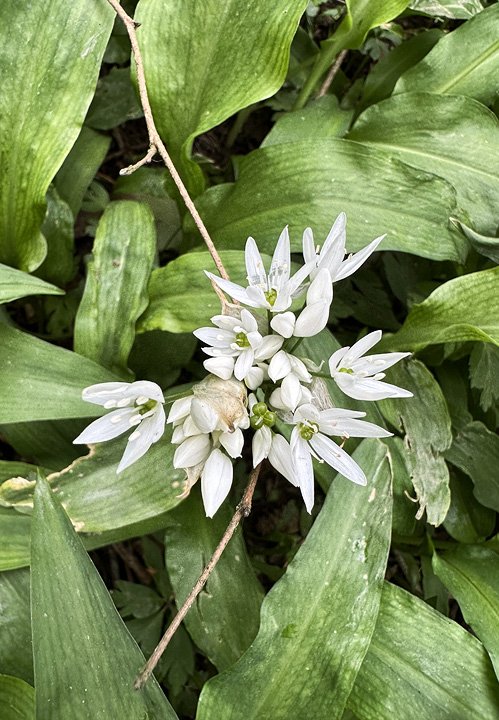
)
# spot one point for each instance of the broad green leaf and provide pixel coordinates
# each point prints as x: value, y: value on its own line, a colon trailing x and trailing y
x: 427, y: 426
x: 161, y: 356
x: 80, y: 166
x: 46, y: 94
x: 59, y: 263
x: 41, y: 381
x: 97, y: 499
x: 181, y: 297
x: 471, y: 573
x: 422, y: 666
x: 384, y: 75
x: 484, y: 373
x: 16, y: 657
x: 17, y: 699
x: 204, y: 62
x: 317, y: 621
x: 475, y: 451
x: 487, y: 246
x: 465, y: 308
x: 115, y: 101
x: 321, y: 118
x: 16, y: 284
x: 455, y: 9
x: 361, y: 17
x: 225, y: 618
x: 465, y: 62
x: 467, y: 521
x: 47, y: 443
x: 85, y: 660
x: 421, y: 130
x: 116, y: 287
x: 309, y: 183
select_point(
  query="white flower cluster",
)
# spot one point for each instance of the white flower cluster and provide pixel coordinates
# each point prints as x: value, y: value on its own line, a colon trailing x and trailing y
x: 258, y: 350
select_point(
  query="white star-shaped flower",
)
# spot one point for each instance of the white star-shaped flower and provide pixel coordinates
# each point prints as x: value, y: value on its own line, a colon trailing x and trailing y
x: 360, y: 376
x: 136, y: 405
x: 331, y: 255
x: 273, y: 291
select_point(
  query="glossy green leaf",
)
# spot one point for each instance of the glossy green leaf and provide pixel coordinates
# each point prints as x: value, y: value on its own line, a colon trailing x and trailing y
x: 97, y: 499
x: 51, y: 379
x: 384, y: 75
x: 225, y: 618
x: 181, y: 297
x: 465, y: 308
x: 471, y: 573
x: 46, y: 94
x: 16, y: 284
x: 59, y: 264
x: 115, y: 101
x: 116, y: 287
x: 467, y: 521
x: 426, y: 422
x: 16, y: 656
x: 487, y: 246
x: 321, y: 118
x: 204, y: 62
x: 85, y: 660
x: 421, y: 130
x: 465, y: 62
x: 422, y: 666
x: 455, y: 9
x: 80, y: 166
x: 17, y: 699
x: 309, y: 183
x: 475, y: 451
x: 317, y: 621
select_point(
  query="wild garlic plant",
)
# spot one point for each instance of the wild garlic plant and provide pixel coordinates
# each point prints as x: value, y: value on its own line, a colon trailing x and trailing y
x: 260, y: 382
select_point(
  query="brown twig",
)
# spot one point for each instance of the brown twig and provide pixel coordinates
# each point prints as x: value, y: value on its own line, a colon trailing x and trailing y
x: 332, y: 73
x: 156, y: 145
x: 242, y: 511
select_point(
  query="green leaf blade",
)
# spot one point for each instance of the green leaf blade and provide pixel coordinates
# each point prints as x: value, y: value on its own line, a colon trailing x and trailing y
x: 17, y: 699
x: 16, y: 284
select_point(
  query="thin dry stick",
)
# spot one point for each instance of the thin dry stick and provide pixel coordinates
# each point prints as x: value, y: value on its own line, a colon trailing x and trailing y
x: 331, y: 74
x: 156, y: 145
x: 242, y: 511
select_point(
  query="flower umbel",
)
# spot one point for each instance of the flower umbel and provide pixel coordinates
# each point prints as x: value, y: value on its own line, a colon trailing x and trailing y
x: 136, y: 405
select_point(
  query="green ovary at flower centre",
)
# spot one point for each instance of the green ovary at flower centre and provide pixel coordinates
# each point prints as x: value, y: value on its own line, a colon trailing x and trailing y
x: 346, y: 370
x: 308, y: 429
x: 271, y: 296
x: 242, y: 340
x: 149, y: 405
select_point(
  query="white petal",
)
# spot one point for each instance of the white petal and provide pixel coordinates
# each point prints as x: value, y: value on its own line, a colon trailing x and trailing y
x: 216, y: 481
x: 312, y: 319
x: 280, y: 458
x: 261, y: 443
x: 367, y: 388
x: 101, y: 393
x: 204, y: 415
x: 255, y: 269
x: 215, y: 336
x: 180, y: 409
x: 248, y: 321
x: 244, y: 363
x: 291, y: 391
x: 353, y: 262
x: 305, y: 412
x: 354, y: 428
x: 268, y: 347
x: 225, y: 322
x: 222, y: 367
x: 299, y: 368
x: 320, y: 289
x: 279, y: 366
x: 373, y: 364
x: 235, y: 291
x: 302, y: 462
x: 192, y: 451
x: 309, y: 254
x: 333, y: 250
x: 362, y: 346
x: 338, y: 459
x: 232, y: 442
x: 281, y: 262
x: 254, y: 377
x: 336, y: 359
x: 149, y: 431
x: 282, y: 302
x: 256, y: 297
x: 146, y: 388
x: 178, y: 435
x: 106, y: 428
x: 284, y: 324
x: 298, y: 278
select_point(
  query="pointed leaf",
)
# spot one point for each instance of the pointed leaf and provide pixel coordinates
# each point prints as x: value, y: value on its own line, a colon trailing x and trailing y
x: 16, y: 284
x: 116, y: 287
x: 225, y: 618
x: 46, y: 93
x: 85, y: 659
x: 16, y: 655
x: 17, y: 699
x: 317, y: 621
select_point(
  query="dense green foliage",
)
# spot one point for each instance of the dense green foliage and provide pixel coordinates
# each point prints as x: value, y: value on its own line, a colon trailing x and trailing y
x: 384, y: 605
